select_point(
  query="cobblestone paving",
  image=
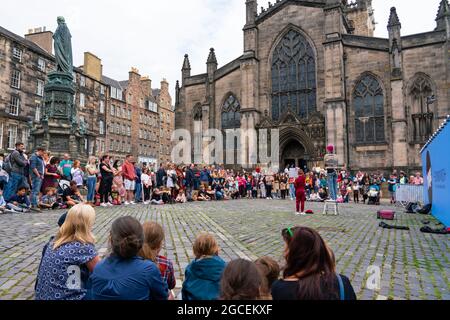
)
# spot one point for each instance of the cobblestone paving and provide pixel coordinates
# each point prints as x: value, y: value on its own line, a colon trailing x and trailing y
x: 413, y: 265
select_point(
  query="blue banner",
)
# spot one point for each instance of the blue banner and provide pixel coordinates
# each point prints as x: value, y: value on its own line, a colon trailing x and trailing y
x: 436, y: 173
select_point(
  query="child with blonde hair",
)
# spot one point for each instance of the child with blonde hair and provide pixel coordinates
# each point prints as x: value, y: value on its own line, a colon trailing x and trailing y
x: 202, y: 276
x: 69, y: 258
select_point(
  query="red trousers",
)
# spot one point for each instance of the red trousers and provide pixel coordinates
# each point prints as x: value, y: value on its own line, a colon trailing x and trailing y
x: 300, y: 198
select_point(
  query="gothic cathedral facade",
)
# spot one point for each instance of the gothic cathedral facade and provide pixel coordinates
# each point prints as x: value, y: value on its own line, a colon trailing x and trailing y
x: 314, y: 70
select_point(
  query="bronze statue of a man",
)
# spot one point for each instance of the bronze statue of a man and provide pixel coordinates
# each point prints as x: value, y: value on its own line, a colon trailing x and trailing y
x: 63, y: 47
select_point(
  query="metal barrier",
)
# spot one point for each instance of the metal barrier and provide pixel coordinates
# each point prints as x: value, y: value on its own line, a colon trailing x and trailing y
x: 409, y: 193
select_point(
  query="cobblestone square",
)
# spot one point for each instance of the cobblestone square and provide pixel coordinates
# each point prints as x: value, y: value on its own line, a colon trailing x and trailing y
x: 413, y: 265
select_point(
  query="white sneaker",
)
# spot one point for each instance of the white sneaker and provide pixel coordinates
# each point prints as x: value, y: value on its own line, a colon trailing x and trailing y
x: 132, y: 202
x: 302, y: 214
x: 297, y: 213
x: 109, y: 204
x: 103, y: 205
x: 126, y: 203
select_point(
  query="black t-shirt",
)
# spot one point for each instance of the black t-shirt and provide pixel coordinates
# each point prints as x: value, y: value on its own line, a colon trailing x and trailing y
x: 287, y: 290
x: 69, y: 193
x: 156, y: 196
x: 105, y: 174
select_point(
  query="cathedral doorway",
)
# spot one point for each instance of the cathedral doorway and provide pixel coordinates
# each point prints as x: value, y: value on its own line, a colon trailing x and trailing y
x: 293, y: 154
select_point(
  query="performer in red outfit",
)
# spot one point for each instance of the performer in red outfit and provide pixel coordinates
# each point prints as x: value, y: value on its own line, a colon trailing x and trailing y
x: 299, y: 184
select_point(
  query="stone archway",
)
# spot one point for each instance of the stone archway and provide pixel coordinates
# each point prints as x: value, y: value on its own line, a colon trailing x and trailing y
x: 296, y: 148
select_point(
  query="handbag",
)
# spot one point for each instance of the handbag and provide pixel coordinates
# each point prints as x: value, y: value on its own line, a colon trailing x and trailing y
x: 386, y: 214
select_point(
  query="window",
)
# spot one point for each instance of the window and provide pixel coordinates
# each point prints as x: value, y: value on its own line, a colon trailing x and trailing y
x: 117, y: 145
x: 129, y: 131
x: 82, y: 100
x: 12, y: 136
x: 111, y: 145
x: 129, y: 114
x: 102, y: 106
x: 25, y: 135
x: 40, y: 88
x: 140, y: 133
x: 119, y: 94
x: 41, y: 64
x: 152, y: 106
x: 111, y: 128
x: 15, y: 79
x: 102, y: 89
x: 368, y: 103
x: 82, y: 81
x: 118, y: 112
x: 113, y: 110
x: 117, y: 128
x: 231, y: 116
x: 17, y: 54
x: 14, y: 105
x: 293, y: 76
x: 124, y: 130
x: 422, y: 100
x: 37, y: 114
x: 101, y: 127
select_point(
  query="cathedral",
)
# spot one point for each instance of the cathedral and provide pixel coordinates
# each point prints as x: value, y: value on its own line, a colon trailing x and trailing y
x: 314, y: 71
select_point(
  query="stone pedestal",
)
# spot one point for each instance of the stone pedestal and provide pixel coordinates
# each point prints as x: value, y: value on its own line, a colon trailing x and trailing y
x: 59, y: 130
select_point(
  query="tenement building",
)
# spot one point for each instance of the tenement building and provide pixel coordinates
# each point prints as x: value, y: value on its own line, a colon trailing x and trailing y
x: 116, y: 117
x: 314, y: 71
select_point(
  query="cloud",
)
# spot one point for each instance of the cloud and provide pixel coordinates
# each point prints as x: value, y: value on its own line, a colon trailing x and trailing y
x: 154, y: 35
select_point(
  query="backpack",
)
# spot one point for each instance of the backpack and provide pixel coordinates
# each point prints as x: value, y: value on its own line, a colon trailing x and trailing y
x: 7, y: 164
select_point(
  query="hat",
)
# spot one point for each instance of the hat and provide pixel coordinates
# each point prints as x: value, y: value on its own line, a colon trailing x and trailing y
x: 330, y: 148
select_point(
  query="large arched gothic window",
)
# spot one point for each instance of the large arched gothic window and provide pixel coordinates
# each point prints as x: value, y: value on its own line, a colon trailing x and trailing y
x: 231, y: 116
x: 368, y: 102
x: 293, y: 76
x: 421, y: 97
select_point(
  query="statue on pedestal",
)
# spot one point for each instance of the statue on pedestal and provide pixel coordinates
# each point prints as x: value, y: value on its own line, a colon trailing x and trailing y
x: 63, y: 47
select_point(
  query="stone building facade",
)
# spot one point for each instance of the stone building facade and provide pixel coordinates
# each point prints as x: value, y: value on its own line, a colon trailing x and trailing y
x: 313, y: 70
x: 118, y: 117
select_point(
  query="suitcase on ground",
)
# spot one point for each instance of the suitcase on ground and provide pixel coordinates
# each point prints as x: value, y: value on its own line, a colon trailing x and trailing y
x: 386, y: 214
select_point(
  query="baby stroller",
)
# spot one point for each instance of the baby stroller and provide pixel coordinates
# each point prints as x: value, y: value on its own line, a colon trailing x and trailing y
x: 373, y: 195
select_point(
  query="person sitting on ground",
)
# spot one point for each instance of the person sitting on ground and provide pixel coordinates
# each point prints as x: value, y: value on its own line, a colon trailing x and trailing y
x: 69, y: 258
x: 19, y: 203
x: 72, y: 196
x: 323, y: 195
x: 211, y: 193
x: 2, y: 202
x: 153, y: 242
x: 49, y: 200
x: 181, y: 197
x: 157, y: 197
x: 310, y: 271
x: 270, y: 272
x: 219, y: 194
x: 241, y: 280
x: 202, y: 195
x: 124, y: 275
x: 202, y: 276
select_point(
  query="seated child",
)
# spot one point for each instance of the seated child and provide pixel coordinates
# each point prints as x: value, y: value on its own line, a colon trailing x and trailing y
x: 270, y: 272
x: 203, y: 195
x: 49, y: 201
x: 115, y: 196
x: 72, y: 196
x: 20, y: 202
x: 323, y: 194
x: 157, y: 197
x: 202, y: 276
x: 153, y: 243
x: 211, y: 193
x: 181, y: 198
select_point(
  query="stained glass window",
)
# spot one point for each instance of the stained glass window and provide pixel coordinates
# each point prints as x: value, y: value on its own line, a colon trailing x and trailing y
x: 231, y: 116
x: 368, y: 104
x: 293, y: 76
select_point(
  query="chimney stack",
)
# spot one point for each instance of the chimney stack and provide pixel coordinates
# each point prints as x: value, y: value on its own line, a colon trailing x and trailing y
x: 41, y: 37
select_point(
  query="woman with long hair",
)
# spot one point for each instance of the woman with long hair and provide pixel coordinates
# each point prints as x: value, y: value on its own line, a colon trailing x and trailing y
x: 77, y: 173
x: 310, y: 271
x: 51, y: 175
x: 69, y: 258
x: 118, y: 180
x: 107, y: 174
x: 91, y: 170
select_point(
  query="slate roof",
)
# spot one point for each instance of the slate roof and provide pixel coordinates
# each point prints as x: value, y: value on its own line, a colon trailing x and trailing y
x: 27, y: 43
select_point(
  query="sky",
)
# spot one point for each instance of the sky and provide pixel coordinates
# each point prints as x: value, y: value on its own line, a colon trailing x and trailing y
x: 153, y: 36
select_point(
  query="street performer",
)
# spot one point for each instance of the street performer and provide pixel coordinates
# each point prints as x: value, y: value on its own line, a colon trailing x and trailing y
x: 299, y: 185
x: 331, y: 165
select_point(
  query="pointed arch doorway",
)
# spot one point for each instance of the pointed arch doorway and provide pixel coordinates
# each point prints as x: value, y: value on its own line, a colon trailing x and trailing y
x: 294, y: 155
